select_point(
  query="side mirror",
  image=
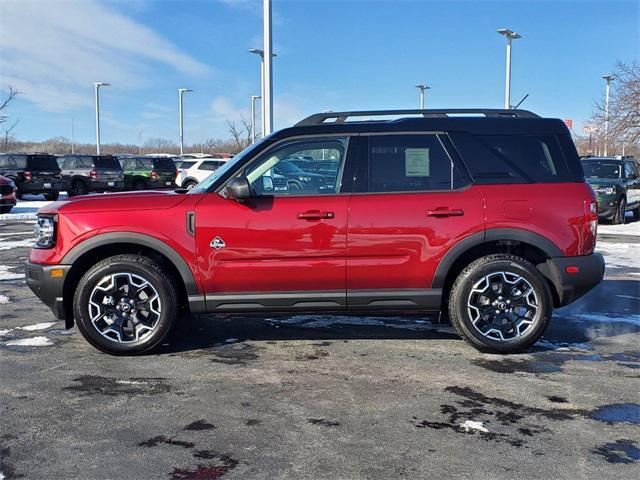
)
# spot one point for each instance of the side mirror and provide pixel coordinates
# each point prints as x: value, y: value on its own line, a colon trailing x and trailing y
x: 238, y: 189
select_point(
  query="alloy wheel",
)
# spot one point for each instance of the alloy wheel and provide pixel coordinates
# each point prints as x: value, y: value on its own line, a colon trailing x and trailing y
x: 502, y: 306
x: 124, y: 307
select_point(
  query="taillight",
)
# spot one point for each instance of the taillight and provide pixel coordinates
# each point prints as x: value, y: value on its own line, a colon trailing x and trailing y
x: 593, y: 217
x: 154, y: 175
x: 93, y: 174
x: 591, y: 225
x: 28, y: 176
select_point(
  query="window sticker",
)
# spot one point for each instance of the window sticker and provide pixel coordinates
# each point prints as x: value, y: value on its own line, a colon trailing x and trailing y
x: 416, y: 162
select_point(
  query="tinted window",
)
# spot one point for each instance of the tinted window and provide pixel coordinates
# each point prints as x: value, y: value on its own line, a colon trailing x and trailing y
x: 512, y: 158
x: 164, y: 164
x: 144, y: 163
x: 43, y: 162
x: 184, y: 164
x: 19, y: 161
x: 210, y: 165
x: 267, y: 178
x: 408, y: 163
x: 110, y: 163
x: 571, y: 157
x: 611, y: 170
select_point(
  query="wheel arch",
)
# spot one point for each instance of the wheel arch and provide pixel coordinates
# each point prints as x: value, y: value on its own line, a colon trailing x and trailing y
x: 529, y: 245
x: 86, y: 254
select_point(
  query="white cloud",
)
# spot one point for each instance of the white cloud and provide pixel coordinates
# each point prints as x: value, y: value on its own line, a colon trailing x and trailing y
x: 53, y: 51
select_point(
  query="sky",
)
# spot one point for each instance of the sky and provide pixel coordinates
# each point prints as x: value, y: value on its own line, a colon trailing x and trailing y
x: 331, y: 55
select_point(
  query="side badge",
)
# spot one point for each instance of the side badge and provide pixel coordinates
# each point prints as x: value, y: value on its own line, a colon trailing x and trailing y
x: 217, y: 243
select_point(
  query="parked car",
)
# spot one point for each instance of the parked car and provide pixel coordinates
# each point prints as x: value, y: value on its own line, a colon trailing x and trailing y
x: 617, y: 185
x: 190, y: 176
x: 91, y: 173
x: 7, y: 194
x: 484, y: 214
x: 33, y: 173
x: 147, y: 173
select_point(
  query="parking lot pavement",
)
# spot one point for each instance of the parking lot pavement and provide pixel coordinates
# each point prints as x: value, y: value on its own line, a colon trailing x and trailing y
x: 311, y: 397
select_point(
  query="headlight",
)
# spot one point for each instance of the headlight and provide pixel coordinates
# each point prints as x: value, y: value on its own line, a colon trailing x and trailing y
x: 45, y: 231
x: 606, y: 190
x: 304, y: 179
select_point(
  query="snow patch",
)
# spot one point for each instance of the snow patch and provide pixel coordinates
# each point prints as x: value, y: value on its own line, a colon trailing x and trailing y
x: 37, y: 326
x: 619, y: 254
x: 130, y: 382
x: 231, y: 340
x: 471, y: 426
x: 4, y: 245
x: 632, y: 228
x: 562, y: 346
x: 4, y: 299
x: 633, y: 319
x: 5, y: 331
x: 5, y: 274
x: 29, y: 342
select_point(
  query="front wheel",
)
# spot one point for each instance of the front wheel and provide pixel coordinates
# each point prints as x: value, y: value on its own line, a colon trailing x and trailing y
x: 52, y: 197
x: 78, y: 188
x: 500, y: 304
x: 126, y: 305
x: 618, y: 217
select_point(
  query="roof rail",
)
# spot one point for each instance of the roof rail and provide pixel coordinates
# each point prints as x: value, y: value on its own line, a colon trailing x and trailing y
x: 341, y: 117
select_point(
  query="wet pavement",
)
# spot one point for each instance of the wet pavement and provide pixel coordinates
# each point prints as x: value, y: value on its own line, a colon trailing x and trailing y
x: 311, y: 397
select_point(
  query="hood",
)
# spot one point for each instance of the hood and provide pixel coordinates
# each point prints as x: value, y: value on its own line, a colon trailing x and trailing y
x: 120, y: 202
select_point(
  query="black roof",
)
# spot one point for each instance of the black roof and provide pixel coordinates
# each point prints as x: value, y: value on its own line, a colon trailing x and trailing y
x: 479, y: 121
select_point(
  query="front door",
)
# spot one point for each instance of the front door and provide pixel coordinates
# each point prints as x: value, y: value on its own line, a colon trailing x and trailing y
x: 285, y: 247
x: 411, y: 204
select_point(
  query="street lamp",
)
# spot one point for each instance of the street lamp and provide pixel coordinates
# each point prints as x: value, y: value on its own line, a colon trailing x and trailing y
x: 422, y: 87
x: 608, y: 79
x: 253, y: 117
x: 509, y: 35
x: 96, y: 88
x: 181, y: 92
x: 257, y: 51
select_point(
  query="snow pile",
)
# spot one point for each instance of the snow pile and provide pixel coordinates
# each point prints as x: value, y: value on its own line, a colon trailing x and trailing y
x: 471, y: 426
x: 5, y: 274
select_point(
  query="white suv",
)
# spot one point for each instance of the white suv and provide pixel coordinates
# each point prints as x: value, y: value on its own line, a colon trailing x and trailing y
x: 201, y: 169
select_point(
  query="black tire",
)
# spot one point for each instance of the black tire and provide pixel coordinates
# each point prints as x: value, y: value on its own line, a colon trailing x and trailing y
x: 52, y: 197
x: 139, y: 185
x: 6, y: 208
x: 636, y: 213
x: 461, y: 295
x: 619, y: 216
x: 18, y: 194
x: 145, y: 268
x: 189, y: 184
x: 78, y: 187
x: 294, y: 186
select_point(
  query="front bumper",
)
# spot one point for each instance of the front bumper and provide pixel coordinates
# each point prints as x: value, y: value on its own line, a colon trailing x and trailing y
x: 572, y: 286
x: 47, y: 288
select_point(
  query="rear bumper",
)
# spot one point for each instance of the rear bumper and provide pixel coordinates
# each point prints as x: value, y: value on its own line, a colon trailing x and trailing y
x: 47, y: 288
x: 42, y: 187
x: 103, y: 186
x: 572, y: 286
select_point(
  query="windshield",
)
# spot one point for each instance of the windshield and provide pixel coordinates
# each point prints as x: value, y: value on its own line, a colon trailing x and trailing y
x: 602, y: 170
x: 205, y: 185
x: 43, y: 162
x: 287, y: 167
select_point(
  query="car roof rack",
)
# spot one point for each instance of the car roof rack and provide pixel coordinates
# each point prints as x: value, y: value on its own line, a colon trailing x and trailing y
x: 341, y: 117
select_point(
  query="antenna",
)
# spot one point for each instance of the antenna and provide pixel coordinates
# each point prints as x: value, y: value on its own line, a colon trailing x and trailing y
x: 520, y: 102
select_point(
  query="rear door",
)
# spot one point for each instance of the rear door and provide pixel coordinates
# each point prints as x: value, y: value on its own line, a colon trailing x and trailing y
x: 633, y: 184
x: 281, y: 249
x: 411, y: 204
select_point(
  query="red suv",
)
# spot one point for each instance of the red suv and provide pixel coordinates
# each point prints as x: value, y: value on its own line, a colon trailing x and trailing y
x: 483, y: 214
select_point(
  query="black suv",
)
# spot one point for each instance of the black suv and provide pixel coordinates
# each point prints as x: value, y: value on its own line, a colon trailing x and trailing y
x: 91, y: 173
x: 617, y: 185
x: 33, y: 173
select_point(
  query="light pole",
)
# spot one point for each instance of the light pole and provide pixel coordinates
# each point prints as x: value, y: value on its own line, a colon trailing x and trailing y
x: 267, y: 99
x: 180, y: 93
x: 422, y: 87
x: 260, y: 52
x: 608, y: 79
x: 96, y: 88
x: 509, y: 35
x: 253, y: 117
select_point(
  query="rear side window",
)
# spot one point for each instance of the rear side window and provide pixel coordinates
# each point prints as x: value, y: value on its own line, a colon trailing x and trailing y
x: 19, y: 162
x: 408, y: 163
x: 5, y: 161
x: 184, y: 164
x: 210, y: 165
x: 512, y: 158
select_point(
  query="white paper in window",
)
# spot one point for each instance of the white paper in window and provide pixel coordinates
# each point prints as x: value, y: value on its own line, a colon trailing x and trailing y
x: 416, y: 162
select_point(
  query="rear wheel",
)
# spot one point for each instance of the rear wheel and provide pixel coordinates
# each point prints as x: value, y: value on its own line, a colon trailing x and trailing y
x: 6, y: 208
x: 139, y: 185
x: 190, y: 184
x: 618, y: 217
x: 52, y: 197
x: 126, y: 305
x: 18, y: 194
x: 500, y: 304
x: 78, y: 188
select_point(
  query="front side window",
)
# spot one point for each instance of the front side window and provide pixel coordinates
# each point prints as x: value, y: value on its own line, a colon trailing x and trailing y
x: 408, y: 163
x: 275, y: 174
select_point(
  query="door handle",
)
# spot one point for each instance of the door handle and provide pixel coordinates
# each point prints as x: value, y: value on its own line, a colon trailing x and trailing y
x: 315, y: 215
x: 445, y: 212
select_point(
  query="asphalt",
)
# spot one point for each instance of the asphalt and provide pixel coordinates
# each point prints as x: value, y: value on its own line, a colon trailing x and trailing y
x: 316, y: 398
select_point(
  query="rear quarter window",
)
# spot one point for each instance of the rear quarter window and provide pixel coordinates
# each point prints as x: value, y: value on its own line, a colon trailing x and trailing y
x: 514, y: 158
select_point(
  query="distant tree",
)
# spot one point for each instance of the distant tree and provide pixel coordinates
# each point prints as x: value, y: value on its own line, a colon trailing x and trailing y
x: 160, y: 145
x: 13, y: 93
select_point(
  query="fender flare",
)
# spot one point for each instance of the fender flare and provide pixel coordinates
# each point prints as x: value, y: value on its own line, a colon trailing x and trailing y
x: 491, y: 235
x: 148, y: 241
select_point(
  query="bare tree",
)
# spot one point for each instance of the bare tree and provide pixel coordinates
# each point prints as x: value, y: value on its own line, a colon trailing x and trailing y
x: 237, y: 136
x: 624, y: 109
x: 5, y: 104
x: 7, y: 133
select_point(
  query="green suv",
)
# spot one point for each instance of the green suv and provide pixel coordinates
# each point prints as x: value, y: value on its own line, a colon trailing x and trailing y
x: 617, y: 185
x: 146, y: 173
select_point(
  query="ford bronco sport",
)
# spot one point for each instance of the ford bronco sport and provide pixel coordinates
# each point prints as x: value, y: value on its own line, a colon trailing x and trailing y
x: 483, y: 214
